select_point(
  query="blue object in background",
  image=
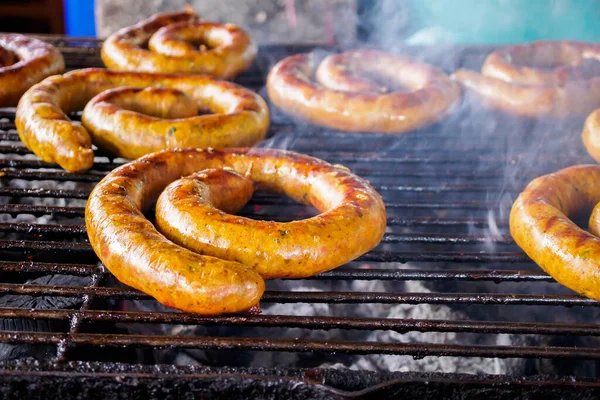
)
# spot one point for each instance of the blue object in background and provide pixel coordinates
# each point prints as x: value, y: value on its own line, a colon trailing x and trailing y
x: 503, y: 21
x: 79, y: 18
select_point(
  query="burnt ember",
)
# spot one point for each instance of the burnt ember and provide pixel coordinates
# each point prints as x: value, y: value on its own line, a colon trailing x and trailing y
x: 447, y: 292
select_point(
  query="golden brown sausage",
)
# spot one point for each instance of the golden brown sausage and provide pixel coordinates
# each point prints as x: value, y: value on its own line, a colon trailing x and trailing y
x: 172, y: 38
x: 25, y: 61
x: 345, y: 99
x: 591, y: 134
x: 242, y: 117
x: 540, y: 224
x: 562, y: 79
x: 352, y: 222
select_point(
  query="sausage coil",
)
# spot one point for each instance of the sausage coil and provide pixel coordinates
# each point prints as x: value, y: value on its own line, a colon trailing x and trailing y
x: 220, y: 260
x: 241, y: 117
x: 562, y: 79
x: 345, y: 97
x: 25, y: 61
x: 540, y: 224
x: 172, y: 38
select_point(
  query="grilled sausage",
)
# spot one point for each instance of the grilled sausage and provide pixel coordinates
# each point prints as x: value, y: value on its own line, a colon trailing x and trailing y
x: 225, y: 278
x: 226, y: 49
x: 562, y: 79
x: 242, y: 116
x: 540, y: 224
x: 25, y: 61
x: 344, y: 98
x: 591, y: 134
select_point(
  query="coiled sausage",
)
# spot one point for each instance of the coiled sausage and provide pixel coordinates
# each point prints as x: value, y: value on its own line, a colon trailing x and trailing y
x: 562, y: 79
x: 25, y: 61
x: 230, y: 253
x: 241, y: 116
x: 172, y: 38
x: 345, y: 98
x: 540, y: 224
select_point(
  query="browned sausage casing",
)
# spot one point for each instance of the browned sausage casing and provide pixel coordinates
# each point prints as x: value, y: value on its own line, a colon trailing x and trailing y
x: 25, y: 62
x: 563, y: 79
x: 242, y: 116
x: 171, y: 37
x: 591, y: 134
x: 540, y: 224
x: 344, y: 98
x: 226, y: 278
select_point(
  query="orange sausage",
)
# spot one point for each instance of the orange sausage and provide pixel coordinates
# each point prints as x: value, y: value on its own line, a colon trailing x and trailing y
x: 227, y: 276
x: 344, y: 98
x: 540, y: 224
x: 591, y: 134
x: 242, y: 117
x: 172, y: 38
x: 25, y: 62
x: 562, y: 79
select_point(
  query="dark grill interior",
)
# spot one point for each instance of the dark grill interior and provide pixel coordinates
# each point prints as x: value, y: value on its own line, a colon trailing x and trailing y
x: 448, y: 189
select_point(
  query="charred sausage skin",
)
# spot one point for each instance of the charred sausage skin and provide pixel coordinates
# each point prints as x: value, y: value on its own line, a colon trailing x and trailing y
x: 138, y: 255
x: 45, y: 128
x: 540, y: 224
x: 343, y: 100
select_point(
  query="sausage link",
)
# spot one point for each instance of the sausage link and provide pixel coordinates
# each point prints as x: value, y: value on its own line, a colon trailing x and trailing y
x: 540, y: 224
x: 25, y: 62
x: 344, y: 99
x: 172, y: 38
x: 139, y: 256
x: 242, y: 117
x: 557, y: 79
x: 591, y: 134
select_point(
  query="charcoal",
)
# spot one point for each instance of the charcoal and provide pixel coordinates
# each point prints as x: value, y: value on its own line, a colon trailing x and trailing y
x: 41, y: 352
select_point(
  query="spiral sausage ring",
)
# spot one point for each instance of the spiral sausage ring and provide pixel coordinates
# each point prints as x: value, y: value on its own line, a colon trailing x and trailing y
x: 343, y: 97
x: 25, y: 61
x: 115, y: 122
x: 225, y: 49
x: 211, y: 262
x: 563, y: 80
x: 540, y: 224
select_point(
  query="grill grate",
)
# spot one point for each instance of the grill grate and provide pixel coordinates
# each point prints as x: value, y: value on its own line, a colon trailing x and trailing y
x: 448, y: 189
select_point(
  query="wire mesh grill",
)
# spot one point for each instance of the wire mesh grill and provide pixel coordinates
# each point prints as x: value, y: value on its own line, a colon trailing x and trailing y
x: 445, y: 188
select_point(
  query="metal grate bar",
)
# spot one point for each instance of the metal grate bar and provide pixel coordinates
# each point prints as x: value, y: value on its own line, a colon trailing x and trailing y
x: 417, y: 350
x: 18, y: 163
x: 379, y: 256
x: 29, y: 174
x: 311, y: 322
x: 17, y: 209
x: 337, y: 274
x: 82, y: 194
x: 70, y: 230
x: 95, y: 176
x: 328, y: 297
x: 22, y: 227
x: 54, y: 268
x: 376, y: 158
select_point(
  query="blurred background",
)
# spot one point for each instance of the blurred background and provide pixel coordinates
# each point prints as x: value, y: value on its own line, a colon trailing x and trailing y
x: 323, y: 22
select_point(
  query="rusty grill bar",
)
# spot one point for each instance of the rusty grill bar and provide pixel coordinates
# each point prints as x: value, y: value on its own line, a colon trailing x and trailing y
x: 438, y: 188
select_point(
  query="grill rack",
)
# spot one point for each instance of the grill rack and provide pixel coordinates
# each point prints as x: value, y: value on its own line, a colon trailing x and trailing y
x: 432, y: 173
